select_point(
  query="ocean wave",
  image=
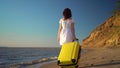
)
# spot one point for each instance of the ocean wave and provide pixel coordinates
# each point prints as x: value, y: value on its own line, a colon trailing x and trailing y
x: 24, y: 64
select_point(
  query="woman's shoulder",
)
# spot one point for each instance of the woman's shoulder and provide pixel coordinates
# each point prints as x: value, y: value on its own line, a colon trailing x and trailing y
x: 61, y: 20
x: 71, y: 20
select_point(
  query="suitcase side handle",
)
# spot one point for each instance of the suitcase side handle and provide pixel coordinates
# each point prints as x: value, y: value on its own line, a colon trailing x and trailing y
x: 75, y: 40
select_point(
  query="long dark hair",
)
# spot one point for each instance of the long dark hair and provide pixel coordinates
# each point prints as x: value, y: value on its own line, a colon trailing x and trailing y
x: 67, y: 13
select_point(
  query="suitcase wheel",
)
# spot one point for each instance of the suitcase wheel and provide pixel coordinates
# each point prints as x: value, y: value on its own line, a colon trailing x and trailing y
x: 73, y: 60
x: 58, y: 62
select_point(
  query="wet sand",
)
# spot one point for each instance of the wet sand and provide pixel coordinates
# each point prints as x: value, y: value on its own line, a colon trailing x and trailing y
x: 95, y: 58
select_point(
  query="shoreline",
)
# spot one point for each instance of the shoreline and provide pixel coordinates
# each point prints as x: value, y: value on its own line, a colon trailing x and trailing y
x: 32, y: 64
x: 40, y: 64
x: 95, y: 57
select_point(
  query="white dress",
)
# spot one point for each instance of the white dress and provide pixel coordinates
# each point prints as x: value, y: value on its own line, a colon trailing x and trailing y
x: 66, y: 34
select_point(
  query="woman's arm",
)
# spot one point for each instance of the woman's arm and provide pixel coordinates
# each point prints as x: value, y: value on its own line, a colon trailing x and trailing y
x: 73, y: 31
x: 59, y: 31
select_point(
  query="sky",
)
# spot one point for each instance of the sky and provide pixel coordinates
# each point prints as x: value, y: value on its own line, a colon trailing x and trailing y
x: 35, y: 23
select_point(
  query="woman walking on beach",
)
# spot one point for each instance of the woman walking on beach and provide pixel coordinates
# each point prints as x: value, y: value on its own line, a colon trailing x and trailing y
x: 66, y: 32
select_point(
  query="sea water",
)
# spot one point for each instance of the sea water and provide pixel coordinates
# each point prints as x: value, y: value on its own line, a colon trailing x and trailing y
x: 23, y: 57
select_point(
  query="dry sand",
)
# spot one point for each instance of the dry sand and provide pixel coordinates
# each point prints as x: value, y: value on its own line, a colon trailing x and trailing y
x: 96, y: 58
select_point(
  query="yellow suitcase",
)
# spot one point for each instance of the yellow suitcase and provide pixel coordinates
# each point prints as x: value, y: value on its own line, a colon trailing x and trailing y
x: 69, y: 55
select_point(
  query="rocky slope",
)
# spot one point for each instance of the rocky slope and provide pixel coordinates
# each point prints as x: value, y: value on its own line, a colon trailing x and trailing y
x: 105, y: 35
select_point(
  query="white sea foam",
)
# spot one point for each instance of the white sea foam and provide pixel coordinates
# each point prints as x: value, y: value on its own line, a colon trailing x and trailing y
x: 24, y: 64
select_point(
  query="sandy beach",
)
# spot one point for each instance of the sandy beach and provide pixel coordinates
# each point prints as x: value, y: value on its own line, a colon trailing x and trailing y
x: 95, y: 58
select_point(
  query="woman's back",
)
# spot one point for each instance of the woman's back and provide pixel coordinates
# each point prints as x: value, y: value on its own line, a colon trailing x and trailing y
x: 66, y: 33
x: 66, y: 23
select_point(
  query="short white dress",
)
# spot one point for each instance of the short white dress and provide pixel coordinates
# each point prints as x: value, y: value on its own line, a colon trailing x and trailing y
x: 66, y: 33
